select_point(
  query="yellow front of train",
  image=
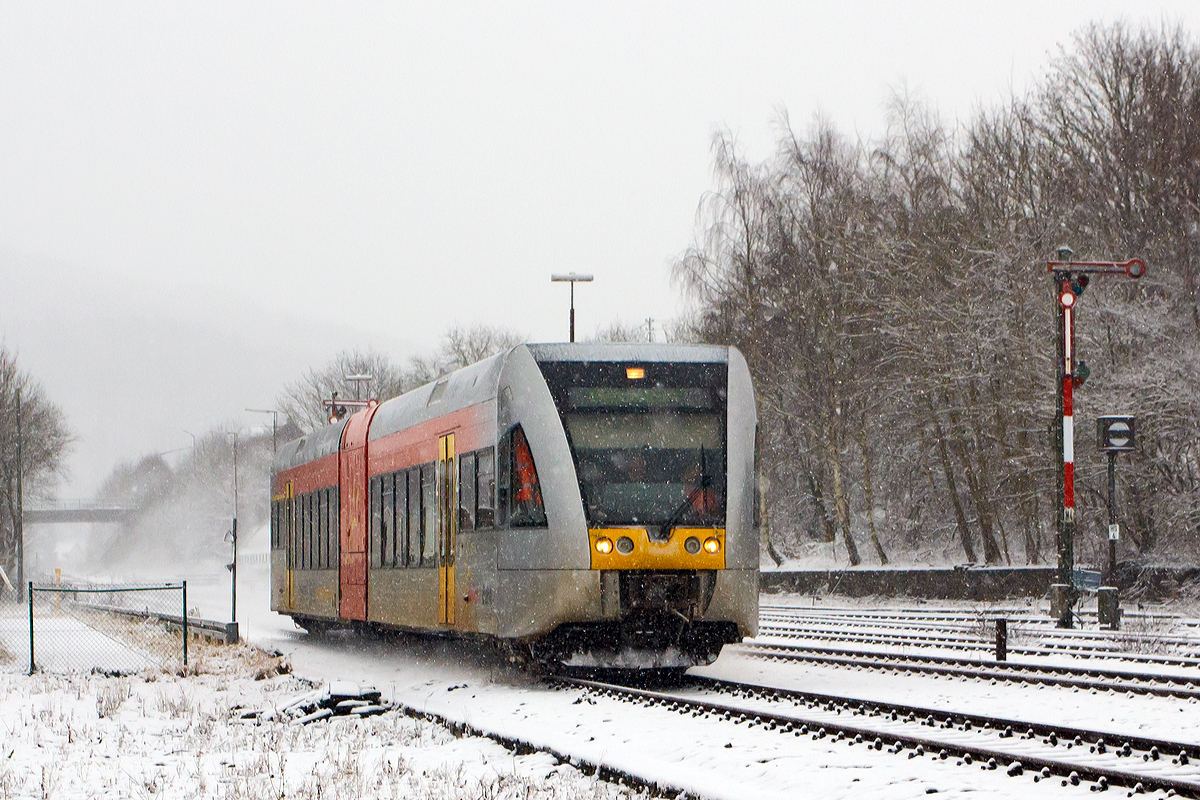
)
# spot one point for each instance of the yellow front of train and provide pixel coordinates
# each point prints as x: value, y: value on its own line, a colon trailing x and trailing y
x: 661, y: 474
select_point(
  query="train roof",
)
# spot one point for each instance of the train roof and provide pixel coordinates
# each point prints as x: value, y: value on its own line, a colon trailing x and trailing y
x: 322, y: 442
x: 630, y: 351
x: 459, y: 389
x: 479, y: 383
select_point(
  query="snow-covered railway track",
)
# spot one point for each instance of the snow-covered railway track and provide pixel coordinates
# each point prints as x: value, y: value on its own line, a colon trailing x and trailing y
x: 966, y: 636
x: 1085, y: 678
x: 1019, y: 748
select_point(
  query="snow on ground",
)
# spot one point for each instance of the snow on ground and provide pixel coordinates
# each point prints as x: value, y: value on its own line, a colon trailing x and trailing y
x: 87, y: 736
x: 158, y: 734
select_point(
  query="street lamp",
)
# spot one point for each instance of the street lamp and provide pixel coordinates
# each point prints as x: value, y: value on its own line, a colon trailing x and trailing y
x: 233, y: 532
x: 189, y: 433
x: 358, y: 380
x: 572, y: 278
x: 274, y: 423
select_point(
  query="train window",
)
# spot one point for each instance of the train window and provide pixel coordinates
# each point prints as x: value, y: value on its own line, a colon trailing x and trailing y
x: 274, y: 523
x: 312, y: 530
x: 466, y: 492
x: 527, y: 509
x: 485, y: 488
x: 306, y: 547
x: 335, y: 536
x: 429, y: 515
x: 301, y: 529
x: 319, y: 527
x: 387, y: 531
x: 400, y: 479
x: 758, y: 497
x: 502, y: 488
x: 414, y: 517
x: 375, y: 496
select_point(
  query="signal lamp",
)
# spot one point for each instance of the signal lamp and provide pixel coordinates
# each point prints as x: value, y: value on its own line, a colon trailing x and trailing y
x: 1067, y: 299
x: 604, y: 545
x: 624, y: 545
x: 712, y: 545
x: 635, y: 373
x: 692, y: 545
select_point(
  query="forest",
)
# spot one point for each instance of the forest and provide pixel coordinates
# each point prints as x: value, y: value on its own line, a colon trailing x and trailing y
x: 894, y: 302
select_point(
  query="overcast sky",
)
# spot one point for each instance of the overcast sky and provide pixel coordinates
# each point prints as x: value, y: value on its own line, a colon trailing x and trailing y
x: 371, y: 173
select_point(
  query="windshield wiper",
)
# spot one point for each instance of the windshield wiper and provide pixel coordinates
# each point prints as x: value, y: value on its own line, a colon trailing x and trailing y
x: 706, y: 482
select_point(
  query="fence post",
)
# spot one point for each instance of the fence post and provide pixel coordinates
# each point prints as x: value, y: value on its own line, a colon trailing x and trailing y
x: 31, y: 667
x: 185, y: 630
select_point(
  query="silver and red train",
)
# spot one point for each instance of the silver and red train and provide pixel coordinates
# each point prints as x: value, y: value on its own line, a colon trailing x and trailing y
x: 583, y: 504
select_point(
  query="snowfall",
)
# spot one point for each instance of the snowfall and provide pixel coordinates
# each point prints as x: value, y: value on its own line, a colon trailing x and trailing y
x: 225, y: 730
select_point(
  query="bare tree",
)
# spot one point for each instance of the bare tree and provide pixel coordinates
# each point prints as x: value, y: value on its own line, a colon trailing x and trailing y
x: 42, y: 445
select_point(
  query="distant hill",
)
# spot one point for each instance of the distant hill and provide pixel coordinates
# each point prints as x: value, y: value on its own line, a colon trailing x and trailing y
x: 133, y: 364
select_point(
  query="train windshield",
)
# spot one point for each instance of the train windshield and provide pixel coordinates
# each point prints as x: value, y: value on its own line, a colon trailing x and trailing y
x: 648, y: 440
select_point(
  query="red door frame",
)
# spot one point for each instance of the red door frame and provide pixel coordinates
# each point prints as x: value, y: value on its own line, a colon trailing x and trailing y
x: 352, y: 480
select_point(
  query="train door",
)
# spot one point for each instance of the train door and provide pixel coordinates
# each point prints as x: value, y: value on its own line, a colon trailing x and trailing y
x: 447, y: 523
x: 352, y: 477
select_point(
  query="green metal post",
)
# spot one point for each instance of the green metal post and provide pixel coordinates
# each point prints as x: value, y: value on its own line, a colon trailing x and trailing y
x: 185, y: 627
x: 32, y: 669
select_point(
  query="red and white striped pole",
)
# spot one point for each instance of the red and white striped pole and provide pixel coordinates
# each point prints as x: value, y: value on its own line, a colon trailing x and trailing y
x: 1071, y: 277
x: 1066, y: 299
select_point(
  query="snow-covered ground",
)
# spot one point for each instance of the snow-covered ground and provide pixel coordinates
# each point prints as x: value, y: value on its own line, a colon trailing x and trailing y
x: 161, y: 735
x: 177, y: 737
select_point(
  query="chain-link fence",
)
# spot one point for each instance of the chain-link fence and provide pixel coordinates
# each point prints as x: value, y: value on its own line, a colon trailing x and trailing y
x: 113, y: 629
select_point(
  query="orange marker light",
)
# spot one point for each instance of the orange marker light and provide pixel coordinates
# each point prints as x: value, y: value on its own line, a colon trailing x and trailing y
x: 635, y: 373
x: 712, y: 545
x: 604, y: 546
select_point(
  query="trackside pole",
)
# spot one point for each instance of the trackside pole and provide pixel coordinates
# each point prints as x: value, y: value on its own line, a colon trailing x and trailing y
x: 32, y: 669
x: 1070, y: 279
x: 185, y: 630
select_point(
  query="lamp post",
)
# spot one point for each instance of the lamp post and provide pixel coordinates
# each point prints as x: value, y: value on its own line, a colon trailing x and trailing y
x: 274, y: 424
x: 358, y: 380
x: 233, y: 532
x: 189, y: 433
x: 572, y: 278
x: 21, y: 513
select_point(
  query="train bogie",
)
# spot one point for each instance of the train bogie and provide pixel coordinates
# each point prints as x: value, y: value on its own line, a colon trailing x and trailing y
x: 588, y: 503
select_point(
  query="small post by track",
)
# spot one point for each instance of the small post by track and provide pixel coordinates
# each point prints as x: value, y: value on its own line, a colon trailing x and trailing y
x: 1070, y: 280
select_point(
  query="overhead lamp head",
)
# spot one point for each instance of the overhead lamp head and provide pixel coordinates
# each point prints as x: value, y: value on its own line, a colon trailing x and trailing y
x: 572, y: 277
x: 1065, y: 253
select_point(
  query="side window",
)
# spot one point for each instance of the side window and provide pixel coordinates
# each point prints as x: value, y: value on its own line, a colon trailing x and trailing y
x: 306, y: 553
x: 414, y: 517
x: 502, y: 482
x: 466, y: 492
x: 526, y: 507
x: 373, y: 492
x: 274, y: 524
x: 758, y: 498
x: 429, y: 515
x: 400, y: 557
x: 388, y: 526
x: 322, y: 521
x: 485, y: 489
x: 336, y: 534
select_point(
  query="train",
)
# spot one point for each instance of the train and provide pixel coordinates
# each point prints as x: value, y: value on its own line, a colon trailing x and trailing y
x: 581, y: 505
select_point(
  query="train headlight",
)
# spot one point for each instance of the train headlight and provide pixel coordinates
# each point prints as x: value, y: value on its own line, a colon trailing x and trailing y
x: 692, y: 545
x: 624, y: 545
x: 712, y: 545
x: 604, y: 545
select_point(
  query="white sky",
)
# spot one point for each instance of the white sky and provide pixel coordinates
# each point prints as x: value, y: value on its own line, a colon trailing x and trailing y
x: 393, y: 169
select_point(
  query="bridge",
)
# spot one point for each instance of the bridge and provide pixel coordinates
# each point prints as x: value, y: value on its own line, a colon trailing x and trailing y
x: 67, y: 511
